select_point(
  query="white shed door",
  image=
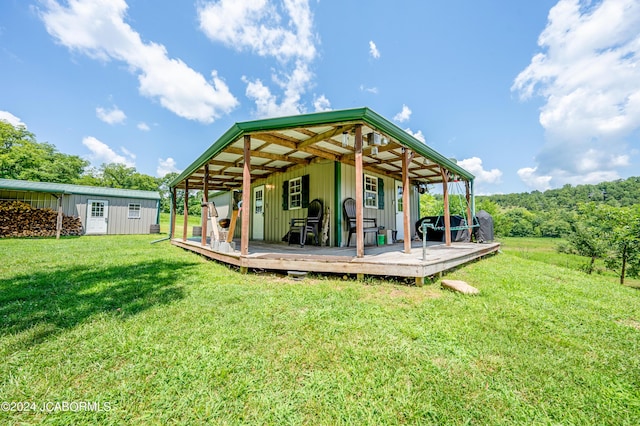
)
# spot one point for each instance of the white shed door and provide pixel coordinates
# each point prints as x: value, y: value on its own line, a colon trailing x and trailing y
x: 97, y: 216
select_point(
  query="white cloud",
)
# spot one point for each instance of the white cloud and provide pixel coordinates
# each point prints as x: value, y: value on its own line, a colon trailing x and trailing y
x: 11, y: 119
x: 418, y: 135
x: 166, y: 166
x: 474, y: 165
x: 588, y: 73
x: 112, y: 116
x: 98, y: 30
x: 403, y: 115
x: 531, y: 178
x: 373, y: 90
x: 257, y: 26
x: 102, y: 153
x: 322, y: 104
x: 143, y: 126
x: 373, y: 50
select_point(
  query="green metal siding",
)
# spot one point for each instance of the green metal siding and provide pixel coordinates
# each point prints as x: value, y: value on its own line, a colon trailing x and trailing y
x: 276, y: 220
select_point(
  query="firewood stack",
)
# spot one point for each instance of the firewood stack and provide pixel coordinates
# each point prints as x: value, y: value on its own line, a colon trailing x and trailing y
x: 19, y: 219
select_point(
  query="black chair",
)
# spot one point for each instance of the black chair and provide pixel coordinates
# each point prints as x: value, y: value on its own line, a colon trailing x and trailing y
x: 370, y: 224
x: 312, y: 224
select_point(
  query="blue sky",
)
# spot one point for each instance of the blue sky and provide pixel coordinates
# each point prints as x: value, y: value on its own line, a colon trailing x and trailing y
x: 524, y: 94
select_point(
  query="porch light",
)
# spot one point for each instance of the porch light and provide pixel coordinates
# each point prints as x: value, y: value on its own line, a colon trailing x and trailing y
x: 345, y: 139
x: 374, y: 151
x: 385, y: 141
x: 373, y: 138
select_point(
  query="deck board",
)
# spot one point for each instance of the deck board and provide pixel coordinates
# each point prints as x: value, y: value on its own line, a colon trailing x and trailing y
x: 387, y: 260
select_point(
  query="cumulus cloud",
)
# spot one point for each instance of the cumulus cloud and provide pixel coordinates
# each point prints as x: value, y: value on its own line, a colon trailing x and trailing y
x: 143, y: 126
x: 11, y: 119
x: 102, y: 153
x: 322, y: 104
x: 112, y: 116
x: 98, y: 30
x: 166, y: 166
x: 418, y: 135
x: 257, y: 26
x: 588, y: 74
x: 403, y: 115
x: 474, y: 165
x: 531, y: 178
x: 373, y: 50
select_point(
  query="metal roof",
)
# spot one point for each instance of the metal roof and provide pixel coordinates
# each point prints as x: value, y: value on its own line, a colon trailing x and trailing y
x: 278, y: 144
x: 64, y: 188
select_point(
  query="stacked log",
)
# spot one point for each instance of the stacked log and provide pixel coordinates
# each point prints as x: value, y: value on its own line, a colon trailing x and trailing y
x: 20, y: 219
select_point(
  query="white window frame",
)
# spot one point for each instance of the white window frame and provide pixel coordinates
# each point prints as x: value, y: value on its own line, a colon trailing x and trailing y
x: 295, y: 193
x: 370, y: 192
x: 134, y: 210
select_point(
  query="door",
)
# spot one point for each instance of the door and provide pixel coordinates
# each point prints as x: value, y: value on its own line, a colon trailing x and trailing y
x: 258, y: 213
x: 399, y: 211
x: 97, y: 216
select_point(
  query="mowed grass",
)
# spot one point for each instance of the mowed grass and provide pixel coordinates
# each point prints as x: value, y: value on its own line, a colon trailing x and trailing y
x: 166, y: 337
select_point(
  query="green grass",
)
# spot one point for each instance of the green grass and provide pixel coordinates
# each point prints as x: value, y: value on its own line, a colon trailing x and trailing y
x: 165, y: 221
x: 167, y: 337
x: 544, y: 250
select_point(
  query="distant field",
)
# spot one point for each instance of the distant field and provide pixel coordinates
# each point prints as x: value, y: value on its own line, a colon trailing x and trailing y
x: 159, y: 335
x: 544, y: 250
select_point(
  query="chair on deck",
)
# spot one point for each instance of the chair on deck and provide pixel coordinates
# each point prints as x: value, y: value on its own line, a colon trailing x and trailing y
x: 311, y: 224
x: 370, y: 224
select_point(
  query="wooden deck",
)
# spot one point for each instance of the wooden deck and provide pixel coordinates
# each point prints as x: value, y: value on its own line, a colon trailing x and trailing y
x: 386, y: 260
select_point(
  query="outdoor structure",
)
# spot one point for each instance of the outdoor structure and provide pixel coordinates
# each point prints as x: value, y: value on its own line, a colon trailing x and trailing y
x: 279, y: 165
x: 101, y: 210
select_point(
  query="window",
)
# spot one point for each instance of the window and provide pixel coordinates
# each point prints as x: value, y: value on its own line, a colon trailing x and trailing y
x: 134, y: 211
x: 370, y: 192
x: 97, y: 209
x: 295, y: 193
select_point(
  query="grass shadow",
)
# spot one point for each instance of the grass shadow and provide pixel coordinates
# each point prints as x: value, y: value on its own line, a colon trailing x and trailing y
x: 48, y: 302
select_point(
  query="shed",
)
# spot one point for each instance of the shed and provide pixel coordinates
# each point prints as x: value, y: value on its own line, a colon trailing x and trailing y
x: 101, y: 210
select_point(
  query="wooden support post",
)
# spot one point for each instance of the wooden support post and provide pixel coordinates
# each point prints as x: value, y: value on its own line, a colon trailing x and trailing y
x: 205, y: 207
x: 360, y: 277
x: 419, y: 281
x: 447, y: 215
x: 186, y: 210
x: 359, y: 193
x: 406, y: 213
x: 246, y: 197
x: 469, y: 212
x: 174, y: 209
x: 59, y: 219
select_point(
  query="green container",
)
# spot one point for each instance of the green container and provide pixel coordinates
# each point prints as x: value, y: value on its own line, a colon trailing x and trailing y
x: 380, y: 239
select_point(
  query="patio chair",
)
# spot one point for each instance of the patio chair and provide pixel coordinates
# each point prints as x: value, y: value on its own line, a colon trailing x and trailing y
x: 370, y: 224
x: 311, y: 224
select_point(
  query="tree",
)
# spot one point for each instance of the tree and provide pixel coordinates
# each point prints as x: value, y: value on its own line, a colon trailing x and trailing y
x: 624, y: 252
x: 23, y: 157
x: 116, y: 175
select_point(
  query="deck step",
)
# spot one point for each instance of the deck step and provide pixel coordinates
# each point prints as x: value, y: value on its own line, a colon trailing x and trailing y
x: 459, y: 286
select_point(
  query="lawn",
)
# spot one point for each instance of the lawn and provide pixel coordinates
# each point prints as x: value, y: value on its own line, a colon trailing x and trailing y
x: 158, y: 335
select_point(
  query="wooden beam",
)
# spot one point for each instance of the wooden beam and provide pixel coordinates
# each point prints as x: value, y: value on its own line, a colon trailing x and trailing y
x: 174, y: 209
x: 205, y: 208
x: 468, y: 198
x: 359, y: 194
x: 270, y: 156
x: 406, y: 217
x: 246, y: 197
x: 323, y: 136
x: 186, y: 210
x: 445, y: 196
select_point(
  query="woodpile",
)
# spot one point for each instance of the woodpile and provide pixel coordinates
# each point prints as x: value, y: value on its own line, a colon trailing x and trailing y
x: 19, y: 219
